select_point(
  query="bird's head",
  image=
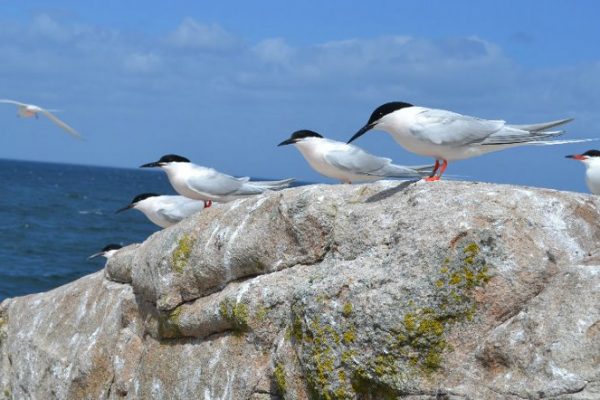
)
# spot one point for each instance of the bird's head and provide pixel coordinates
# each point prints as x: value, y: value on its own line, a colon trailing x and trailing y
x: 107, y: 251
x: 588, y: 158
x: 138, y: 201
x: 299, y: 136
x: 166, y: 160
x: 378, y: 116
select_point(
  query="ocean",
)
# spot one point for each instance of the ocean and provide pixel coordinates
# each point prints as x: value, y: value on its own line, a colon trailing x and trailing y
x: 54, y: 216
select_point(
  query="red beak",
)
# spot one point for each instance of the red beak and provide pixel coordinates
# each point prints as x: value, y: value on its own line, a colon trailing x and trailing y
x: 577, y: 157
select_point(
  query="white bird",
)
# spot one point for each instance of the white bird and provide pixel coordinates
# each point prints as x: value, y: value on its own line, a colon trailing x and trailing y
x: 31, y: 110
x: 448, y: 136
x: 164, y: 210
x: 591, y: 160
x: 202, y: 183
x: 347, y: 162
x: 107, y: 252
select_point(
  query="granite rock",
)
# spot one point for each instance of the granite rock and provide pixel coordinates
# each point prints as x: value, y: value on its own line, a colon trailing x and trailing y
x: 445, y: 290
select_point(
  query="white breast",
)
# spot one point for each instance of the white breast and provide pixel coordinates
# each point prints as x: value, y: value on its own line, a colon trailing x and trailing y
x: 592, y: 178
x: 314, y: 151
x: 179, y: 176
x: 399, y: 123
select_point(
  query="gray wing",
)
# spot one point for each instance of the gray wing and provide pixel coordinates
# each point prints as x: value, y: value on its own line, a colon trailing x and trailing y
x: 169, y: 215
x: 216, y: 183
x: 17, y: 103
x: 542, y: 126
x: 180, y: 208
x: 60, y: 123
x: 355, y: 160
x: 448, y: 128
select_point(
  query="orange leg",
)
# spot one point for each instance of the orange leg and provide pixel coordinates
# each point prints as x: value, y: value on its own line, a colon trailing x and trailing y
x: 437, y: 177
x: 442, y: 169
x: 435, y: 168
x: 207, y: 203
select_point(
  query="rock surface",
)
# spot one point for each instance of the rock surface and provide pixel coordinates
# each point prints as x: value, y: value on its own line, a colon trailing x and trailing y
x: 447, y: 290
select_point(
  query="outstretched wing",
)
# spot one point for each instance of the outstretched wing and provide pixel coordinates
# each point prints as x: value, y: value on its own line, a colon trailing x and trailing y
x: 452, y: 129
x: 60, y: 123
x: 17, y: 103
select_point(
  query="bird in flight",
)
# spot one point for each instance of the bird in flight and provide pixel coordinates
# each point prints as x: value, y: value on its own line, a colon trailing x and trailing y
x: 30, y: 110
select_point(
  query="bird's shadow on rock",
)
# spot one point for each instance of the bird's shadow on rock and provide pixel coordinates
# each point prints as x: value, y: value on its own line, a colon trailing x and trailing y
x: 384, y: 194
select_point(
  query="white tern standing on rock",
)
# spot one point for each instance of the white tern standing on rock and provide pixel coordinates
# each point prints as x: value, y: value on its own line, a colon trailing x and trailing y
x: 202, y: 183
x: 107, y: 251
x: 347, y: 162
x: 591, y: 160
x: 448, y: 136
x: 164, y: 210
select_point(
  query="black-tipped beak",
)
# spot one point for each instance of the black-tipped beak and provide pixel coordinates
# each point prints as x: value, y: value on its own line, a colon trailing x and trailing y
x: 95, y: 255
x: 362, y: 131
x: 124, y: 208
x: 576, y: 157
x: 288, y: 141
x: 151, y: 165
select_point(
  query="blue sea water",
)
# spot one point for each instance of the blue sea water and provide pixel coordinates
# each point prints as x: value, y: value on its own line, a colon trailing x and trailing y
x: 53, y: 216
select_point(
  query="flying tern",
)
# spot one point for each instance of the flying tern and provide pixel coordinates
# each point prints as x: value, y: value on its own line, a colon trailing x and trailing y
x: 164, y: 210
x: 347, y: 162
x: 30, y: 110
x: 202, y: 183
x: 448, y: 136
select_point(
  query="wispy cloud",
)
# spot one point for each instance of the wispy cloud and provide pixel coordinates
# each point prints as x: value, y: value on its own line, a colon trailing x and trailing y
x: 200, y: 82
x: 195, y: 35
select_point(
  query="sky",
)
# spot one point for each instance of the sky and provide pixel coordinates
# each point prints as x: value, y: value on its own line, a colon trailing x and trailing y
x: 222, y: 83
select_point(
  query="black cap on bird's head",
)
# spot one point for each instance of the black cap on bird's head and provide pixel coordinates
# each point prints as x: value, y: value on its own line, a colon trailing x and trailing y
x: 112, y: 246
x: 136, y: 200
x: 299, y: 135
x: 106, y: 249
x: 379, y: 113
x: 585, y: 156
x: 166, y: 159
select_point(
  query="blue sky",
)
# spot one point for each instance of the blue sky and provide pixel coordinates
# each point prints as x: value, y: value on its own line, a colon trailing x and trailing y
x: 223, y: 82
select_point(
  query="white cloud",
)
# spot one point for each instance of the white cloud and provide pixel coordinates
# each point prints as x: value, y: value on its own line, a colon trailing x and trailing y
x: 274, y: 50
x: 142, y: 62
x: 195, y: 35
x: 204, y: 82
x: 46, y: 26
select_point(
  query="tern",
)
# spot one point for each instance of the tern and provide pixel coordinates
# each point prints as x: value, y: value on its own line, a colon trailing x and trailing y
x: 202, y: 183
x: 348, y: 163
x: 107, y: 252
x: 591, y: 160
x: 164, y: 210
x: 449, y: 136
x: 30, y: 110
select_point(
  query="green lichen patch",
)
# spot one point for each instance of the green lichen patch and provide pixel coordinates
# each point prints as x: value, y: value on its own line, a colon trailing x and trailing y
x: 349, y: 336
x: 279, y: 377
x: 236, y: 313
x: 347, y: 310
x: 419, y: 343
x: 168, y: 325
x: 322, y: 342
x: 333, y: 360
x: 261, y: 313
x: 181, y: 254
